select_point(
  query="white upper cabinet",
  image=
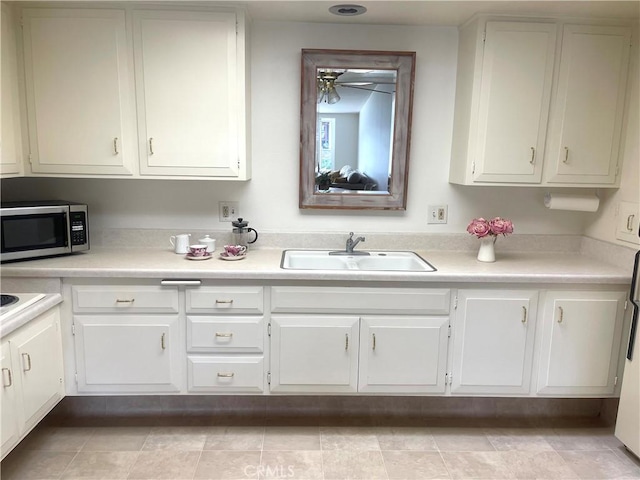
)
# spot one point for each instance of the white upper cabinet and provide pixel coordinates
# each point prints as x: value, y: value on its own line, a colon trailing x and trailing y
x: 78, y: 92
x: 190, y: 93
x: 11, y: 157
x: 517, y: 73
x: 586, y: 120
x: 137, y: 92
x: 539, y: 103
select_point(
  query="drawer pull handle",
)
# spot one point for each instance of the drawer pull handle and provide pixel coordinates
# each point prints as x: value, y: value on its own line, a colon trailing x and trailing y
x: 151, y: 146
x: 226, y: 375
x: 630, y: 223
x: 120, y: 300
x: 374, y: 340
x: 9, y: 377
x: 524, y: 314
x: 224, y: 335
x: 115, y: 146
x: 561, y: 317
x: 227, y: 302
x: 346, y: 341
x: 162, y: 342
x: 533, y: 156
x: 26, y: 358
x: 566, y: 155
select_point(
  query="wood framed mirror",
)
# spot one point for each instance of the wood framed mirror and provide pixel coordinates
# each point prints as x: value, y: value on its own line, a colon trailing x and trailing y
x: 355, y: 129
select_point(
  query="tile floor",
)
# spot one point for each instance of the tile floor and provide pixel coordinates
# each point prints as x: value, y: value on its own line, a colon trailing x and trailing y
x: 328, y: 453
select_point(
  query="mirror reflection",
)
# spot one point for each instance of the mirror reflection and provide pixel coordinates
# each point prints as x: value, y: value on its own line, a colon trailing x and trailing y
x: 355, y: 125
x: 354, y: 129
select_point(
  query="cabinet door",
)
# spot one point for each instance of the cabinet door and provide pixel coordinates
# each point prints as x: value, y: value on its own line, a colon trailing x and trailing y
x: 186, y: 75
x: 587, y: 113
x: 37, y: 354
x: 312, y: 353
x: 493, y: 341
x: 77, y: 85
x: 128, y: 353
x: 11, y: 149
x: 517, y: 73
x: 581, y: 339
x: 403, y: 355
x: 9, y: 430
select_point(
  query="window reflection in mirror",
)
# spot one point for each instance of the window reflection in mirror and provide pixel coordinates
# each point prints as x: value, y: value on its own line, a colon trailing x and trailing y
x: 356, y: 117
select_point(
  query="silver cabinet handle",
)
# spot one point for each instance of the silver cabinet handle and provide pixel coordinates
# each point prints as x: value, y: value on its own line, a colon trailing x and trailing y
x: 26, y: 357
x: 181, y: 282
x: 226, y: 375
x: 9, y: 377
x: 121, y: 300
x: 561, y: 317
x: 346, y: 341
x: 151, y: 146
x: 533, y: 156
x: 374, y: 340
x: 228, y: 302
x: 115, y: 146
x: 162, y: 343
x: 524, y: 314
x: 224, y: 335
x: 630, y: 222
x: 566, y: 155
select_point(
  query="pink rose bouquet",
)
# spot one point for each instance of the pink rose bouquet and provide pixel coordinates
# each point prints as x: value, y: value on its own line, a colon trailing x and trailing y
x: 481, y: 227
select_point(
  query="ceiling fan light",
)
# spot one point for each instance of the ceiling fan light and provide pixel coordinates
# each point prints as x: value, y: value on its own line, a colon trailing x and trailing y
x: 333, y: 96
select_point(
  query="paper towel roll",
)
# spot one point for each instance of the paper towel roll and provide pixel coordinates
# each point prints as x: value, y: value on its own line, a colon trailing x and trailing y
x: 562, y: 201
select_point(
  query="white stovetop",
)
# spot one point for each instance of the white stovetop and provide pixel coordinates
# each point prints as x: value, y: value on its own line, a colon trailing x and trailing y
x: 25, y: 300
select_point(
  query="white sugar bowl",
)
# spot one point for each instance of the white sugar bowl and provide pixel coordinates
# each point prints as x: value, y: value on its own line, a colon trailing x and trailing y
x: 209, y: 242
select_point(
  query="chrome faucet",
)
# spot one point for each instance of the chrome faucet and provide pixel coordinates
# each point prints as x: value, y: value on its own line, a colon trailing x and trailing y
x: 351, y: 243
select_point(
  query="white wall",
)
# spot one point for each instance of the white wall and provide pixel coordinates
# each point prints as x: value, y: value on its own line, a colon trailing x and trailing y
x: 375, y: 138
x: 270, y: 200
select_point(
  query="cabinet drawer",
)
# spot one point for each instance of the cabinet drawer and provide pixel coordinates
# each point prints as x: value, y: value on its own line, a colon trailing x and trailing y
x: 225, y: 300
x: 225, y: 334
x: 225, y: 374
x: 139, y: 299
x: 360, y: 300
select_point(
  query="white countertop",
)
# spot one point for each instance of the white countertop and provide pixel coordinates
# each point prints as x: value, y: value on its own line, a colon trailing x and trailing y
x: 264, y: 264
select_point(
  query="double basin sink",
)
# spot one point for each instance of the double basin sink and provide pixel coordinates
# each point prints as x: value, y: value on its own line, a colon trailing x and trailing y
x: 363, y: 261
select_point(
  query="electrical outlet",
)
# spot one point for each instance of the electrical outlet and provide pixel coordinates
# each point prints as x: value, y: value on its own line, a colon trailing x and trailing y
x: 437, y: 214
x: 228, y: 211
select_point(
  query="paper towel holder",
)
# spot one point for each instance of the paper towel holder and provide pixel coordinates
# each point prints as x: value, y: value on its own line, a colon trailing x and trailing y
x: 572, y: 201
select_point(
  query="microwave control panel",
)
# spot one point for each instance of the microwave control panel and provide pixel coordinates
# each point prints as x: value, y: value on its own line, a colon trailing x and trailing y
x: 78, y: 228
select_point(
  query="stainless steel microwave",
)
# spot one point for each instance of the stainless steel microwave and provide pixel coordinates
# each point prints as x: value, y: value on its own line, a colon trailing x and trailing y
x: 42, y: 229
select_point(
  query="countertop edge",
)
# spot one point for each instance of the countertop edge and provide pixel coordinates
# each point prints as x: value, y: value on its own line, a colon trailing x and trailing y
x: 25, y: 316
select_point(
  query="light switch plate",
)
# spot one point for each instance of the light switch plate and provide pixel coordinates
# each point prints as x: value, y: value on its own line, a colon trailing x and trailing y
x: 628, y: 222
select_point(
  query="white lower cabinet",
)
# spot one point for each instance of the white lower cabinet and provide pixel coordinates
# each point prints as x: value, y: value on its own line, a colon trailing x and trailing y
x: 314, y: 353
x: 217, y: 338
x: 9, y: 428
x: 403, y: 354
x: 225, y: 339
x: 581, y: 337
x: 128, y: 353
x: 32, y: 376
x: 494, y: 331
